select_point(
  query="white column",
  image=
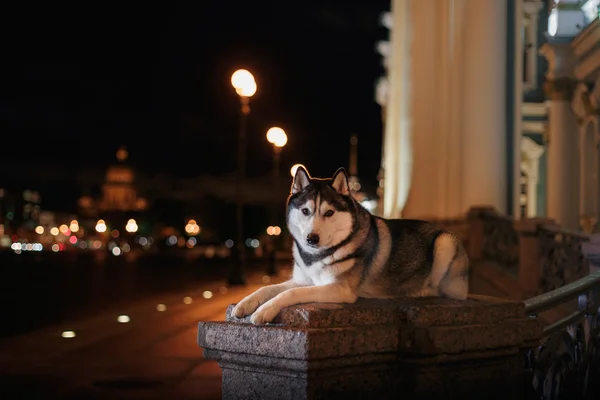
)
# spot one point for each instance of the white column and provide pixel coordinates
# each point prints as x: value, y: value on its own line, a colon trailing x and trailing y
x: 518, y: 19
x: 484, y: 145
x: 437, y: 57
x: 563, y: 160
x: 531, y: 153
x: 428, y: 58
x: 398, y: 154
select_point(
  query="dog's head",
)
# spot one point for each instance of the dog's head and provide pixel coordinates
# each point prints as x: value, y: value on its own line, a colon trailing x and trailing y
x: 320, y: 212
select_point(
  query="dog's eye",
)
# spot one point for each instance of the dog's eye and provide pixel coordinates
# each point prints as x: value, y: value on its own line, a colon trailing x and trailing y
x: 305, y: 211
x: 328, y: 213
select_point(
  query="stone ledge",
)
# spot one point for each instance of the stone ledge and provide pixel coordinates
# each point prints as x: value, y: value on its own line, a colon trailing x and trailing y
x: 378, y: 348
x: 431, y: 311
x: 425, y: 326
x: 316, y: 343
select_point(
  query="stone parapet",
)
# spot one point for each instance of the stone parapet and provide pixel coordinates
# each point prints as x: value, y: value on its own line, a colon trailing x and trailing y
x: 410, y: 348
x: 530, y: 254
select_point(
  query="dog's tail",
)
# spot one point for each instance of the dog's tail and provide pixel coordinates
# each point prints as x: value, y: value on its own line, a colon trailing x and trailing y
x: 450, y: 266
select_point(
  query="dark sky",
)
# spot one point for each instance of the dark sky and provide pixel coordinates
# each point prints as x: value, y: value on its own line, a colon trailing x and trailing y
x: 78, y: 81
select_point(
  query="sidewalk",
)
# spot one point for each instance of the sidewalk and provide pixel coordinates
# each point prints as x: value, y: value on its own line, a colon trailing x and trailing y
x: 153, y: 356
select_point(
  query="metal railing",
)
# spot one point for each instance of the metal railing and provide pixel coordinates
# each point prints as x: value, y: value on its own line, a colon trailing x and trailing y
x: 567, y: 362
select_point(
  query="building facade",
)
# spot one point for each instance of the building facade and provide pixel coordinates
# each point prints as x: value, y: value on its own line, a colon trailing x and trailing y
x: 494, y: 103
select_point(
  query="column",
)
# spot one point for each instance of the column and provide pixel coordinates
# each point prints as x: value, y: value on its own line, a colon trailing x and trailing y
x: 427, y: 111
x: 398, y: 153
x: 484, y: 136
x: 437, y: 56
x: 531, y: 153
x: 563, y: 160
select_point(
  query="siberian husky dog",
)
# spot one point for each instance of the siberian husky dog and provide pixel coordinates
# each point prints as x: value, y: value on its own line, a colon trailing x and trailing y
x: 343, y: 252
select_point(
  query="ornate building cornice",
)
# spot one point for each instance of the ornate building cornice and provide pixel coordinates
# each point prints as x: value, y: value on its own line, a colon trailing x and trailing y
x: 560, y: 89
x: 585, y: 103
x: 561, y: 61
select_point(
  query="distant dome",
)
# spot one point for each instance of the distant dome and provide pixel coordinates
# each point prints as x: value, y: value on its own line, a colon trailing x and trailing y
x: 119, y: 174
x: 122, y: 154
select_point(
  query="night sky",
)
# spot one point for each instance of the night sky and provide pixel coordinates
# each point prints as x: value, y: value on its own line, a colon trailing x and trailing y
x: 77, y: 82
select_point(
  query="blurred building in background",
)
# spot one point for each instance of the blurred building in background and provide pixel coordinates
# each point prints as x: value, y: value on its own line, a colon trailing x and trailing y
x: 494, y: 103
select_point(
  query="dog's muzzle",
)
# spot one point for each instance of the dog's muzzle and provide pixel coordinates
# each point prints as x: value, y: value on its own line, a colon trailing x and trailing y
x: 312, y: 239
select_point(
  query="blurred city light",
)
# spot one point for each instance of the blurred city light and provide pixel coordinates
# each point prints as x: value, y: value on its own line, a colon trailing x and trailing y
x: 277, y: 136
x: 192, y: 228
x: 74, y: 226
x: 123, y: 319
x: 101, y: 226
x: 131, y: 226
x: 240, y: 78
x: 243, y: 82
x: 39, y: 229
x: 273, y: 231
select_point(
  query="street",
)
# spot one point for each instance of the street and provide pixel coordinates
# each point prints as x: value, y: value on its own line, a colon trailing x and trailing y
x: 37, y: 290
x: 150, y: 354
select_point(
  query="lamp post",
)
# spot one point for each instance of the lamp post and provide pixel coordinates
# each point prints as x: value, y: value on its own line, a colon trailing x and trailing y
x: 277, y: 137
x: 245, y: 86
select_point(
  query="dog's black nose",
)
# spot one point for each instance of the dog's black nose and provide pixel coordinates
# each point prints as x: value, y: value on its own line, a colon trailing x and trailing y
x: 312, y: 239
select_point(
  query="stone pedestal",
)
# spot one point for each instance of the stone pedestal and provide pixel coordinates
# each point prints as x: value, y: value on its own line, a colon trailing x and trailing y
x: 476, y: 231
x: 530, y: 257
x: 376, y: 349
x: 591, y: 251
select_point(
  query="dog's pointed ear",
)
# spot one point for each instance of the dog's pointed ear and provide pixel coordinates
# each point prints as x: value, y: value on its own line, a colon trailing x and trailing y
x: 340, y: 182
x: 301, y: 180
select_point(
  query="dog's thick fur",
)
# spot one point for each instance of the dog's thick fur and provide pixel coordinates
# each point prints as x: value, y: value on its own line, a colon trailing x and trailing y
x: 342, y: 252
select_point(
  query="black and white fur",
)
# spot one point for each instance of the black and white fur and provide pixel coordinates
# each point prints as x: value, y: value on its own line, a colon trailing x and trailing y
x: 343, y: 252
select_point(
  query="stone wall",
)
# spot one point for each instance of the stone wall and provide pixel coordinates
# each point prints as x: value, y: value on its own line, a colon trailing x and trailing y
x: 411, y: 348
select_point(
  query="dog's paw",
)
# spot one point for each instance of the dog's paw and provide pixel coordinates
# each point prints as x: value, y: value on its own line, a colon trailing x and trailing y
x: 264, y: 315
x: 243, y: 308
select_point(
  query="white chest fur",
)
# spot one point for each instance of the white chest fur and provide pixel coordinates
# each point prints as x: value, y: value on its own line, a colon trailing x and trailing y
x: 319, y: 273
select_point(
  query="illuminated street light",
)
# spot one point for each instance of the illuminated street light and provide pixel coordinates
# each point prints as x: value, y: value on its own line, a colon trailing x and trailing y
x: 241, y: 80
x: 276, y: 136
x: 295, y: 168
x: 131, y: 226
x: 192, y: 228
x: 101, y: 226
x: 74, y: 226
x: 247, y: 90
x: 273, y: 231
x: 245, y: 86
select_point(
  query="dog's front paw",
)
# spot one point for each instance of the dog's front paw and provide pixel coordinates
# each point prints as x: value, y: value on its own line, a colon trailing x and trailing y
x: 265, y: 314
x: 244, y: 307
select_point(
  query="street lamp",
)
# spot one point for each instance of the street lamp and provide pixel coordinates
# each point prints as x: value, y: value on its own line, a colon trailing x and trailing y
x: 245, y: 86
x: 277, y: 137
